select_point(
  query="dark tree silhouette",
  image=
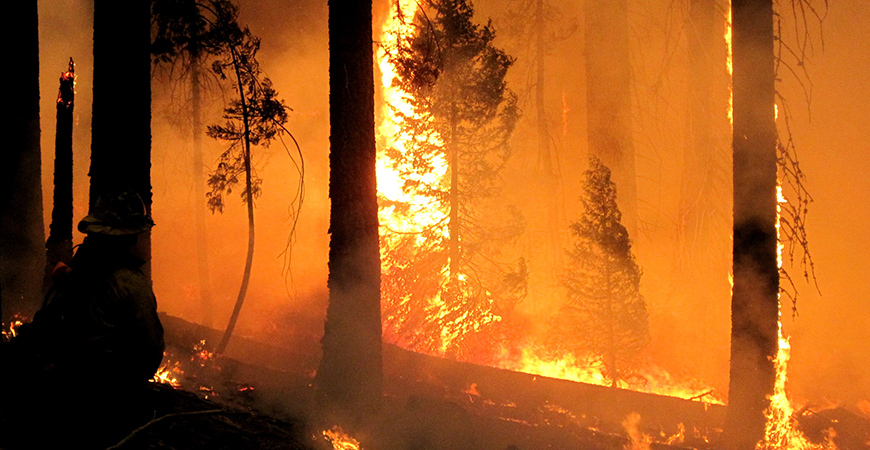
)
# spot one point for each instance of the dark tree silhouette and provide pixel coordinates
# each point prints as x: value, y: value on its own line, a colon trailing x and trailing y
x: 58, y: 247
x: 754, y: 302
x: 256, y: 117
x: 350, y: 373
x: 463, y: 115
x: 22, y: 239
x: 608, y: 97
x: 121, y: 122
x: 604, y: 313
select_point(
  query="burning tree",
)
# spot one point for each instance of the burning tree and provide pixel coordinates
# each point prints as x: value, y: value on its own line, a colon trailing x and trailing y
x: 604, y: 314
x: 444, y: 284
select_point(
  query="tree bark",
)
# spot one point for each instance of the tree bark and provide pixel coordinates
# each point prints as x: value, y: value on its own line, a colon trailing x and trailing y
x: 608, y: 99
x: 58, y: 247
x: 121, y: 123
x: 22, y: 237
x: 350, y: 374
x: 754, y: 302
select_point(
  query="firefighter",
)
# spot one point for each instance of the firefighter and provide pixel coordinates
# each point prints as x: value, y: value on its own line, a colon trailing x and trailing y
x: 97, y: 338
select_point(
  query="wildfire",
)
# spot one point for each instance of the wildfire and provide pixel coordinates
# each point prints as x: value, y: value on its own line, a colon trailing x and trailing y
x: 340, y: 440
x: 412, y: 219
x: 781, y: 432
x: 10, y: 331
x: 651, y: 378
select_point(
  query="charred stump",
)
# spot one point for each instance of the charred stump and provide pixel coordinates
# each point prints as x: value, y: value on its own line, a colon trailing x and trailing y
x: 58, y: 247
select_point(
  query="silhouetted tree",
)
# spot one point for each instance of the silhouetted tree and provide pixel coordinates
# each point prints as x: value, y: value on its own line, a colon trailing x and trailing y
x: 22, y: 238
x: 754, y: 302
x: 58, y: 247
x: 445, y: 287
x: 121, y: 122
x: 188, y: 35
x: 256, y: 117
x: 350, y: 373
x: 608, y: 97
x: 604, y: 313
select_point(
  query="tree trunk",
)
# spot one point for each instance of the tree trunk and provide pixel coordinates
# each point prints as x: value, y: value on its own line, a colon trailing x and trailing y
x: 350, y: 376
x: 58, y: 247
x: 608, y: 99
x: 754, y: 302
x: 121, y: 123
x: 199, y: 195
x: 249, y: 195
x: 22, y: 237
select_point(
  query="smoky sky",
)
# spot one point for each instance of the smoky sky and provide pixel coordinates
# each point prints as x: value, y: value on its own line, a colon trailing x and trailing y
x: 830, y: 355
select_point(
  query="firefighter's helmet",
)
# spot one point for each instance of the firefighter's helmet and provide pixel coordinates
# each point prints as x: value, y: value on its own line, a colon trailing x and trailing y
x: 119, y: 214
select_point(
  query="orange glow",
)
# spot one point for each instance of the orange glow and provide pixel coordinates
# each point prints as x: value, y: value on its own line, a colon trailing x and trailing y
x: 781, y: 432
x: 570, y: 367
x: 412, y: 218
x: 340, y: 440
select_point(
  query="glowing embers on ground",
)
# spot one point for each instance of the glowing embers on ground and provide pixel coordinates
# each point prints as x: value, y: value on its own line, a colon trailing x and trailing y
x: 10, y: 330
x: 197, y: 370
x: 340, y: 440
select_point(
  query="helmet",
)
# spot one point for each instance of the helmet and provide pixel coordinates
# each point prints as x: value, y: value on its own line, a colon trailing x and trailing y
x: 117, y: 215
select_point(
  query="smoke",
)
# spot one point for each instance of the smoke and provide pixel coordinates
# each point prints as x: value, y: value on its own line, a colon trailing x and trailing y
x: 829, y: 359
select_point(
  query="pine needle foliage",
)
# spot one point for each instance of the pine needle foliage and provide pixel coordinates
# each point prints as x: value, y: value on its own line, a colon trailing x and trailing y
x: 604, y: 314
x: 446, y: 286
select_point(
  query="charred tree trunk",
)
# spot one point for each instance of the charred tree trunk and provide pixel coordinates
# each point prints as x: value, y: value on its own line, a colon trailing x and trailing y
x: 350, y: 374
x: 249, y: 196
x: 754, y: 303
x: 121, y: 124
x: 22, y: 237
x: 608, y: 99
x: 199, y: 192
x: 58, y: 247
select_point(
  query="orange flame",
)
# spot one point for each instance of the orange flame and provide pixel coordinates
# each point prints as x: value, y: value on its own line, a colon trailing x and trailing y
x: 340, y: 440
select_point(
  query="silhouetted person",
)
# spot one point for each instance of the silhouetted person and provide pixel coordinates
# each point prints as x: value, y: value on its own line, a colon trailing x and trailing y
x: 75, y: 375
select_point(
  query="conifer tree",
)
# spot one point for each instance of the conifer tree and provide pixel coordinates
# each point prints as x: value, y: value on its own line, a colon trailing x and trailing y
x: 604, y: 314
x: 446, y: 284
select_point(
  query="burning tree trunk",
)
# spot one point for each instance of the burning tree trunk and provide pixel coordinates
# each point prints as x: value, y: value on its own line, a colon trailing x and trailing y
x: 351, y: 372
x: 22, y: 238
x: 754, y: 303
x: 608, y: 98
x: 121, y: 124
x: 59, y: 244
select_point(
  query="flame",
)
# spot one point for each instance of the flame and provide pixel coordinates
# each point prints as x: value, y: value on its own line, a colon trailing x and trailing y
x: 340, y: 440
x: 651, y: 378
x: 10, y: 331
x: 729, y: 64
x: 781, y: 429
x: 412, y: 220
x: 639, y: 440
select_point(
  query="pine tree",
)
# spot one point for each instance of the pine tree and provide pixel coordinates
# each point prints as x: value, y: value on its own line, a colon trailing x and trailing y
x: 604, y: 314
x: 445, y: 286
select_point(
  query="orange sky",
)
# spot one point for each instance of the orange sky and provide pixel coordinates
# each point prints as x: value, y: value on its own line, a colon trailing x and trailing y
x: 831, y: 358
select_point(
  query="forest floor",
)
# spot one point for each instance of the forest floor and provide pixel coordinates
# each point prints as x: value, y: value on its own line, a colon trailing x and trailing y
x: 267, y: 402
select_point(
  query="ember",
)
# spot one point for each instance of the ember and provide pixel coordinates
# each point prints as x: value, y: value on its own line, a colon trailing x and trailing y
x: 340, y: 440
